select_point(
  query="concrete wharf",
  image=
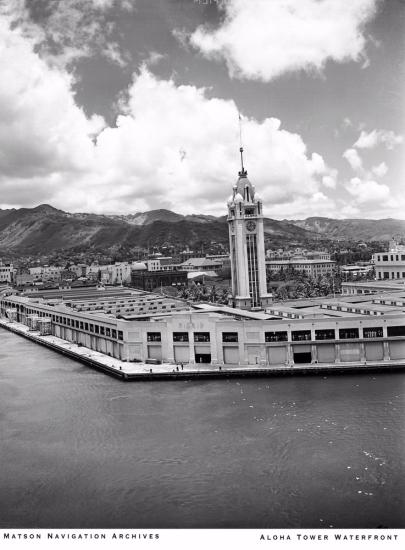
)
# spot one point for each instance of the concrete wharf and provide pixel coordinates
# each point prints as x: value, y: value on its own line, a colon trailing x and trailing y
x: 138, y: 371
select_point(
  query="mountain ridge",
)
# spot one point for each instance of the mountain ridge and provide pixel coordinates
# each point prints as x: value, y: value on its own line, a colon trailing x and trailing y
x: 44, y: 229
x: 364, y: 229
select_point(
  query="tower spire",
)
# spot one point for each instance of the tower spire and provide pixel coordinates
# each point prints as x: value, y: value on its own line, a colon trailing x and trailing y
x: 243, y: 172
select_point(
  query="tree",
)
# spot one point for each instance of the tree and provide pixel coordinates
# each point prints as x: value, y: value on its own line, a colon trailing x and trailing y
x: 281, y: 293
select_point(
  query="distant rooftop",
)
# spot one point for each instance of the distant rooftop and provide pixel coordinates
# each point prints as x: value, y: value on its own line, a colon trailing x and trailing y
x: 200, y: 262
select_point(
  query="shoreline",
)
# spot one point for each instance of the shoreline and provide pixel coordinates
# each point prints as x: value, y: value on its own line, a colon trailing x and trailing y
x: 126, y: 372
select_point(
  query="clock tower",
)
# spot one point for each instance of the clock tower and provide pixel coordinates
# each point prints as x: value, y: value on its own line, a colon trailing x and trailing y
x: 246, y: 241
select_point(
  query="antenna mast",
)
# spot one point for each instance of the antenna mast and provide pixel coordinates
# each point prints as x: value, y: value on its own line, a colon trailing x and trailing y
x: 243, y: 171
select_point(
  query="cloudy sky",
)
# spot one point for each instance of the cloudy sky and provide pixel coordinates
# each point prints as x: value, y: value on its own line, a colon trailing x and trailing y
x: 120, y: 106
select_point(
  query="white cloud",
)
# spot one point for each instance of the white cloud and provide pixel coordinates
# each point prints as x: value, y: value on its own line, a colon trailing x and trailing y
x: 127, y: 5
x: 262, y: 39
x: 317, y: 204
x: 368, y: 191
x: 380, y: 170
x: 37, y: 108
x: 103, y: 4
x: 172, y: 147
x: 349, y: 210
x: 329, y: 181
x: 354, y: 159
x: 179, y: 149
x: 347, y: 123
x: 154, y: 58
x: 182, y: 36
x: 70, y: 30
x: 42, y: 131
x: 369, y: 140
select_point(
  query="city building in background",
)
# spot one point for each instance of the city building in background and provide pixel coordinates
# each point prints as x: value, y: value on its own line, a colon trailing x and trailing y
x: 390, y: 264
x: 201, y: 264
x: 6, y: 272
x: 45, y: 272
x: 311, y: 267
x: 356, y: 270
x: 371, y: 287
x: 297, y: 253
x: 151, y: 280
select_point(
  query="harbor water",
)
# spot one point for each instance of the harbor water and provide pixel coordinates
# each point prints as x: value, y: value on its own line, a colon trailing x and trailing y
x: 80, y: 449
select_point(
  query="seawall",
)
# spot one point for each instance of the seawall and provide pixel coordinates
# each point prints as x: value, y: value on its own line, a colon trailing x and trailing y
x: 141, y: 371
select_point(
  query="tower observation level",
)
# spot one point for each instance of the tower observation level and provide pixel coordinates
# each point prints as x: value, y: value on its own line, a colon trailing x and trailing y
x: 246, y: 242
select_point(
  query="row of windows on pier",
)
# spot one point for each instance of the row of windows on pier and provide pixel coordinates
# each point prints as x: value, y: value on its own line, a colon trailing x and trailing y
x: 179, y: 337
x: 89, y: 327
x: 282, y: 336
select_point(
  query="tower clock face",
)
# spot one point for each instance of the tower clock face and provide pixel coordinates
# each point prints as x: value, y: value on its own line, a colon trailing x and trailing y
x: 251, y: 226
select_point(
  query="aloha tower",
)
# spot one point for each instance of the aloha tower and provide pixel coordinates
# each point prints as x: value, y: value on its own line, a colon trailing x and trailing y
x: 246, y: 243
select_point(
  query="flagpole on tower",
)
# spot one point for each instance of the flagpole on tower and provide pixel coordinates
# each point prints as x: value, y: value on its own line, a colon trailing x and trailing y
x: 243, y: 172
